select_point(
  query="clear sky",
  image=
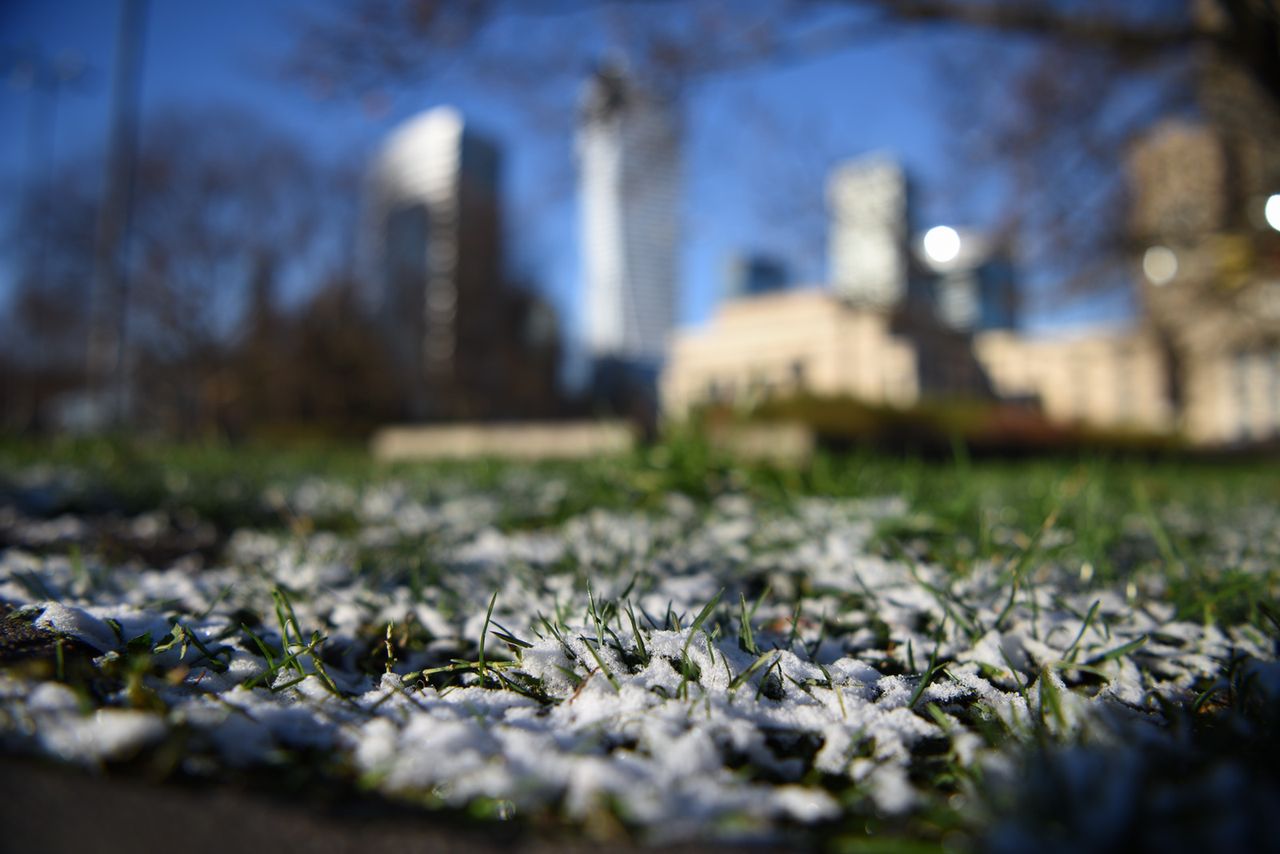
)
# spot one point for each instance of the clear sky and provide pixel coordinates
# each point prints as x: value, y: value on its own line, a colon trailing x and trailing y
x: 756, y: 145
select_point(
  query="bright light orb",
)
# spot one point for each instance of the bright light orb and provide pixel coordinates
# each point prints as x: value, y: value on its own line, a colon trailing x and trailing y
x: 1272, y: 211
x: 1159, y: 265
x: 942, y: 244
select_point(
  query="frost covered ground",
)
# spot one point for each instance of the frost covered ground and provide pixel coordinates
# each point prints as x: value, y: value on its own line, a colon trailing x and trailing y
x: 729, y: 666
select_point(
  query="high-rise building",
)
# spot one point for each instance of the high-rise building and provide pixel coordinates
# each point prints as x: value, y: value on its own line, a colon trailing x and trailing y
x: 628, y: 146
x: 869, y: 230
x: 753, y: 275
x: 434, y: 229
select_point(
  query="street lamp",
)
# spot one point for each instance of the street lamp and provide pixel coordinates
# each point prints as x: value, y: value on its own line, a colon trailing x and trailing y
x: 1159, y: 265
x: 1272, y: 211
x: 942, y: 244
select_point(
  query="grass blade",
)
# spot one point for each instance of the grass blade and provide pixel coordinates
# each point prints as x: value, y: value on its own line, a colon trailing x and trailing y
x: 701, y: 618
x: 1070, y: 654
x: 746, y: 640
x: 755, y: 665
x: 1123, y: 649
x: 604, y: 668
x: 484, y: 632
x: 635, y: 631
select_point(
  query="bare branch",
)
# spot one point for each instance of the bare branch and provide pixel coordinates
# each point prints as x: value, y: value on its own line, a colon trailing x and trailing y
x: 1107, y: 30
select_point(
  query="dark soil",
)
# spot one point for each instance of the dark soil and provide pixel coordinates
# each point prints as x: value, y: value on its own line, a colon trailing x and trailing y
x: 50, y: 808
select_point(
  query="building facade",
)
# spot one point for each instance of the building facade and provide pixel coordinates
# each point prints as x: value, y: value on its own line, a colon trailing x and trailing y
x: 1208, y: 269
x: 1108, y: 378
x: 628, y: 149
x: 751, y: 275
x: 813, y: 342
x: 462, y: 342
x: 869, y: 260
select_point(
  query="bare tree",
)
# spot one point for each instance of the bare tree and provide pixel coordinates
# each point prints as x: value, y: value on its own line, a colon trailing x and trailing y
x: 224, y: 206
x: 226, y: 212
x: 335, y: 375
x: 49, y: 242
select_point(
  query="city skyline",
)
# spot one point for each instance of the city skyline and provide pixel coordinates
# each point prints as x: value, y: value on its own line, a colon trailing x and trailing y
x: 231, y: 56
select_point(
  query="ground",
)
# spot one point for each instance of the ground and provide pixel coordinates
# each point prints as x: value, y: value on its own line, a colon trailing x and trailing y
x: 664, y: 648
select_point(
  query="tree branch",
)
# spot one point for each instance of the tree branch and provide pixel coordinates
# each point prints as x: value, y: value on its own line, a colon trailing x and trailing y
x: 1106, y: 31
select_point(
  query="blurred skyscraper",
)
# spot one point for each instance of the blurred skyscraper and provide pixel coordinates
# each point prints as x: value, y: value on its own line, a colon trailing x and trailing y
x: 455, y: 333
x: 869, y: 230
x: 628, y: 145
x: 754, y: 275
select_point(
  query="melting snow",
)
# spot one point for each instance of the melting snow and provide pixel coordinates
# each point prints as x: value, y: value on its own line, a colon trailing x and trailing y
x: 678, y: 730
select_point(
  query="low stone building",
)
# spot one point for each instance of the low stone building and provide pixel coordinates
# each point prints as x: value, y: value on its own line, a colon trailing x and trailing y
x: 1111, y: 378
x: 810, y: 340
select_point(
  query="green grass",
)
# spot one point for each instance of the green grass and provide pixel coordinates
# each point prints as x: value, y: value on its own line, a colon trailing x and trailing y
x: 1111, y: 519
x: 1107, y: 513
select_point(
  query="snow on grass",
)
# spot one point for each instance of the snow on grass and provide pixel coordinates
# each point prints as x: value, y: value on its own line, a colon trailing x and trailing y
x: 733, y: 668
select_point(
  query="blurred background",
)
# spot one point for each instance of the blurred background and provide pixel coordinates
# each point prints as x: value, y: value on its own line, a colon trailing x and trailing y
x: 1019, y: 222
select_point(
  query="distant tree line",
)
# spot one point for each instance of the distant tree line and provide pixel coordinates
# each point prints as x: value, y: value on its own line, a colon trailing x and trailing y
x: 245, y: 311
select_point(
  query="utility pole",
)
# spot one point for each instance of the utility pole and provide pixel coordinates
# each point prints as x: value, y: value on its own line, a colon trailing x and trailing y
x: 109, y: 362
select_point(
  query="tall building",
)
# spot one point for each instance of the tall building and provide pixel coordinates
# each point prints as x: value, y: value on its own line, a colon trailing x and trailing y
x: 628, y: 147
x: 753, y: 275
x: 463, y: 343
x: 869, y: 231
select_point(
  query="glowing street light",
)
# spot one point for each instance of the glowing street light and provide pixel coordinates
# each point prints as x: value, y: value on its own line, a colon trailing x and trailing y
x: 1159, y: 265
x: 942, y: 243
x: 1272, y: 211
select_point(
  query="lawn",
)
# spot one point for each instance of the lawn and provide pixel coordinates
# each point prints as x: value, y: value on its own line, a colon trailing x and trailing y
x: 871, y: 652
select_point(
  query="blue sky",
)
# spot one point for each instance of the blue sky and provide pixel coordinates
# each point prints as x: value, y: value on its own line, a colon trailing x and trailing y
x: 755, y: 144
